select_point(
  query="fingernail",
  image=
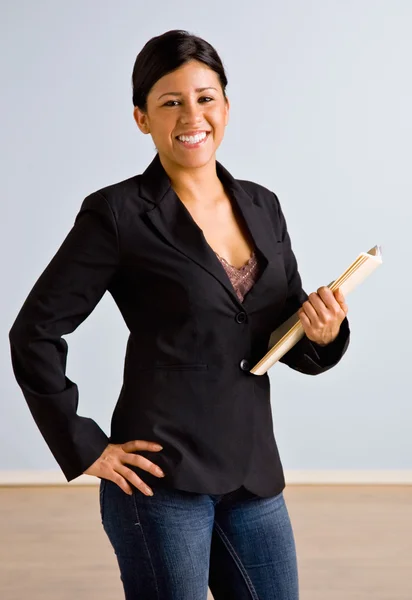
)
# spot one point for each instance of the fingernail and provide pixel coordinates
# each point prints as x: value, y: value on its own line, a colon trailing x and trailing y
x: 158, y: 447
x: 149, y: 491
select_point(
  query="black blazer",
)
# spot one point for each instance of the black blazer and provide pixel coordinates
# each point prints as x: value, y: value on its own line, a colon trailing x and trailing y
x: 186, y: 382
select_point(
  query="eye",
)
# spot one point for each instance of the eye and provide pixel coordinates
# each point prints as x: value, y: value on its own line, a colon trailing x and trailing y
x: 170, y: 102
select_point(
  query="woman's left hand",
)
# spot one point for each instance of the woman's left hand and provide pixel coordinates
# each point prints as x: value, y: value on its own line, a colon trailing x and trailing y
x: 322, y: 314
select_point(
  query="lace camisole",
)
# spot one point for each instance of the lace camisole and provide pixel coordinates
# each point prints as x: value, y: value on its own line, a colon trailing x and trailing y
x: 242, y: 279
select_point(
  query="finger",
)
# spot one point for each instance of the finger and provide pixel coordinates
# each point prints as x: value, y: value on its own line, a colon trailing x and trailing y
x: 328, y: 298
x: 143, y: 463
x: 310, y: 312
x: 135, y: 480
x: 120, y: 481
x: 319, y: 306
x: 134, y: 445
x: 306, y: 324
x: 339, y: 295
x: 341, y: 300
x: 334, y: 309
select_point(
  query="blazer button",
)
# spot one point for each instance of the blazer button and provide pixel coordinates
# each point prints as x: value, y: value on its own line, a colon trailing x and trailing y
x: 240, y: 317
x: 244, y: 364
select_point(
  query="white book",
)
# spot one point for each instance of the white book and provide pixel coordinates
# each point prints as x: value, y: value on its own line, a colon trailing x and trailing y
x: 291, y: 331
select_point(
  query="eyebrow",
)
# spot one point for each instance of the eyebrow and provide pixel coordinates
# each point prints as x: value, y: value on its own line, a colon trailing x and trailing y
x: 179, y: 93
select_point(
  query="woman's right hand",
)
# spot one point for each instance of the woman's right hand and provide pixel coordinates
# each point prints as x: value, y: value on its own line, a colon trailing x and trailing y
x: 114, y: 458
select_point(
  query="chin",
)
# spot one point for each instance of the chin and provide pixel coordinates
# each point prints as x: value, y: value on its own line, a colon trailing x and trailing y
x: 191, y: 162
x: 198, y: 161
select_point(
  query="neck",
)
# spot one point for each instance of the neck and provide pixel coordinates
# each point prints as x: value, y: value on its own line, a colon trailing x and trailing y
x: 195, y: 186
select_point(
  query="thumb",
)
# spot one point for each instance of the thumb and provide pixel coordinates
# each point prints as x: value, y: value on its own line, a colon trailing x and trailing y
x: 341, y: 299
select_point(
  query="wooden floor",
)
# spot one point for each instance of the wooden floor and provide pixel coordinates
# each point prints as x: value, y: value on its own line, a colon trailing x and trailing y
x: 353, y: 543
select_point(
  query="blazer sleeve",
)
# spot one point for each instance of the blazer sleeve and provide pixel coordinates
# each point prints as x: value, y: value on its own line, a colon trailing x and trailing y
x: 64, y: 295
x: 306, y: 356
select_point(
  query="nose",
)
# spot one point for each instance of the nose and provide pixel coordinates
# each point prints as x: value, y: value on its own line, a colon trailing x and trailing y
x: 192, y: 112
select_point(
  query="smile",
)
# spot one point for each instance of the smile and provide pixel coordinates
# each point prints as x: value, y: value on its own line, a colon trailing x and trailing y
x: 193, y: 141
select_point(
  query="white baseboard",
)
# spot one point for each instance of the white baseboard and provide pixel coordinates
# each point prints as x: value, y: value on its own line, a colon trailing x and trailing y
x: 53, y: 477
x: 339, y: 477
x: 376, y: 477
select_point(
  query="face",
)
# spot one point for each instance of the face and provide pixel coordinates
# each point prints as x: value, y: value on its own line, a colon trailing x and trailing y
x: 188, y: 102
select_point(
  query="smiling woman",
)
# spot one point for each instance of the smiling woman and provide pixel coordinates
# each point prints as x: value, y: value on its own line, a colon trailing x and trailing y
x: 201, y: 267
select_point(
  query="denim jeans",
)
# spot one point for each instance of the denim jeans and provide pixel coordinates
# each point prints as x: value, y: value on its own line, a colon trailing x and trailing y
x: 174, y: 544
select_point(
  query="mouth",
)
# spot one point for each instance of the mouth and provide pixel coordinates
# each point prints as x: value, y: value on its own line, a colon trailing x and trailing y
x: 195, y: 141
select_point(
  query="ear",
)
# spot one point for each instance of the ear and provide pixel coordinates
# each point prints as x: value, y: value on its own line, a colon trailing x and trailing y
x: 141, y: 120
x: 227, y: 109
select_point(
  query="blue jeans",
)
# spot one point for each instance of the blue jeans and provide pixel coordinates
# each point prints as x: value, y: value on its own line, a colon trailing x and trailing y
x: 174, y: 544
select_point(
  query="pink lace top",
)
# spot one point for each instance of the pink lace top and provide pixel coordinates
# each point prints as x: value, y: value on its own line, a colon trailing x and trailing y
x: 242, y: 279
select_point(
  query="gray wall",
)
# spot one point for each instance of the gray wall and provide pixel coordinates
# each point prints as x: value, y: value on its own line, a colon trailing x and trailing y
x: 321, y: 96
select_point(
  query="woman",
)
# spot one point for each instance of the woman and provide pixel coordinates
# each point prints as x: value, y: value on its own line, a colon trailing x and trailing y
x: 201, y: 267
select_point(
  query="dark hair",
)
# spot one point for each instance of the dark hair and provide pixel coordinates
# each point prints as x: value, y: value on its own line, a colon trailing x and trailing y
x: 166, y: 53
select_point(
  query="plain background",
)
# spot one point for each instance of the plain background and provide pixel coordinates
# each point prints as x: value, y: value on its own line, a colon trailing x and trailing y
x: 320, y: 113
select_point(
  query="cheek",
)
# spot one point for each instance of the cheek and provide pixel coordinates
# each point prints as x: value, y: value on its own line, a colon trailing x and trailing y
x: 163, y: 126
x: 216, y: 117
x: 162, y: 137
x: 218, y: 124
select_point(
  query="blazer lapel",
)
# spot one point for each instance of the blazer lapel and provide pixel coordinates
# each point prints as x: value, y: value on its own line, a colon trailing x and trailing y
x: 175, y: 223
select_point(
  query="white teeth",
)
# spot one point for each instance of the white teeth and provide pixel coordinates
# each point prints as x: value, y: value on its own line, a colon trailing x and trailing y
x: 192, y: 139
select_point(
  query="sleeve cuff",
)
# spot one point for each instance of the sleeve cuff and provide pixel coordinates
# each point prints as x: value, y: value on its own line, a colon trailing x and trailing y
x: 333, y: 352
